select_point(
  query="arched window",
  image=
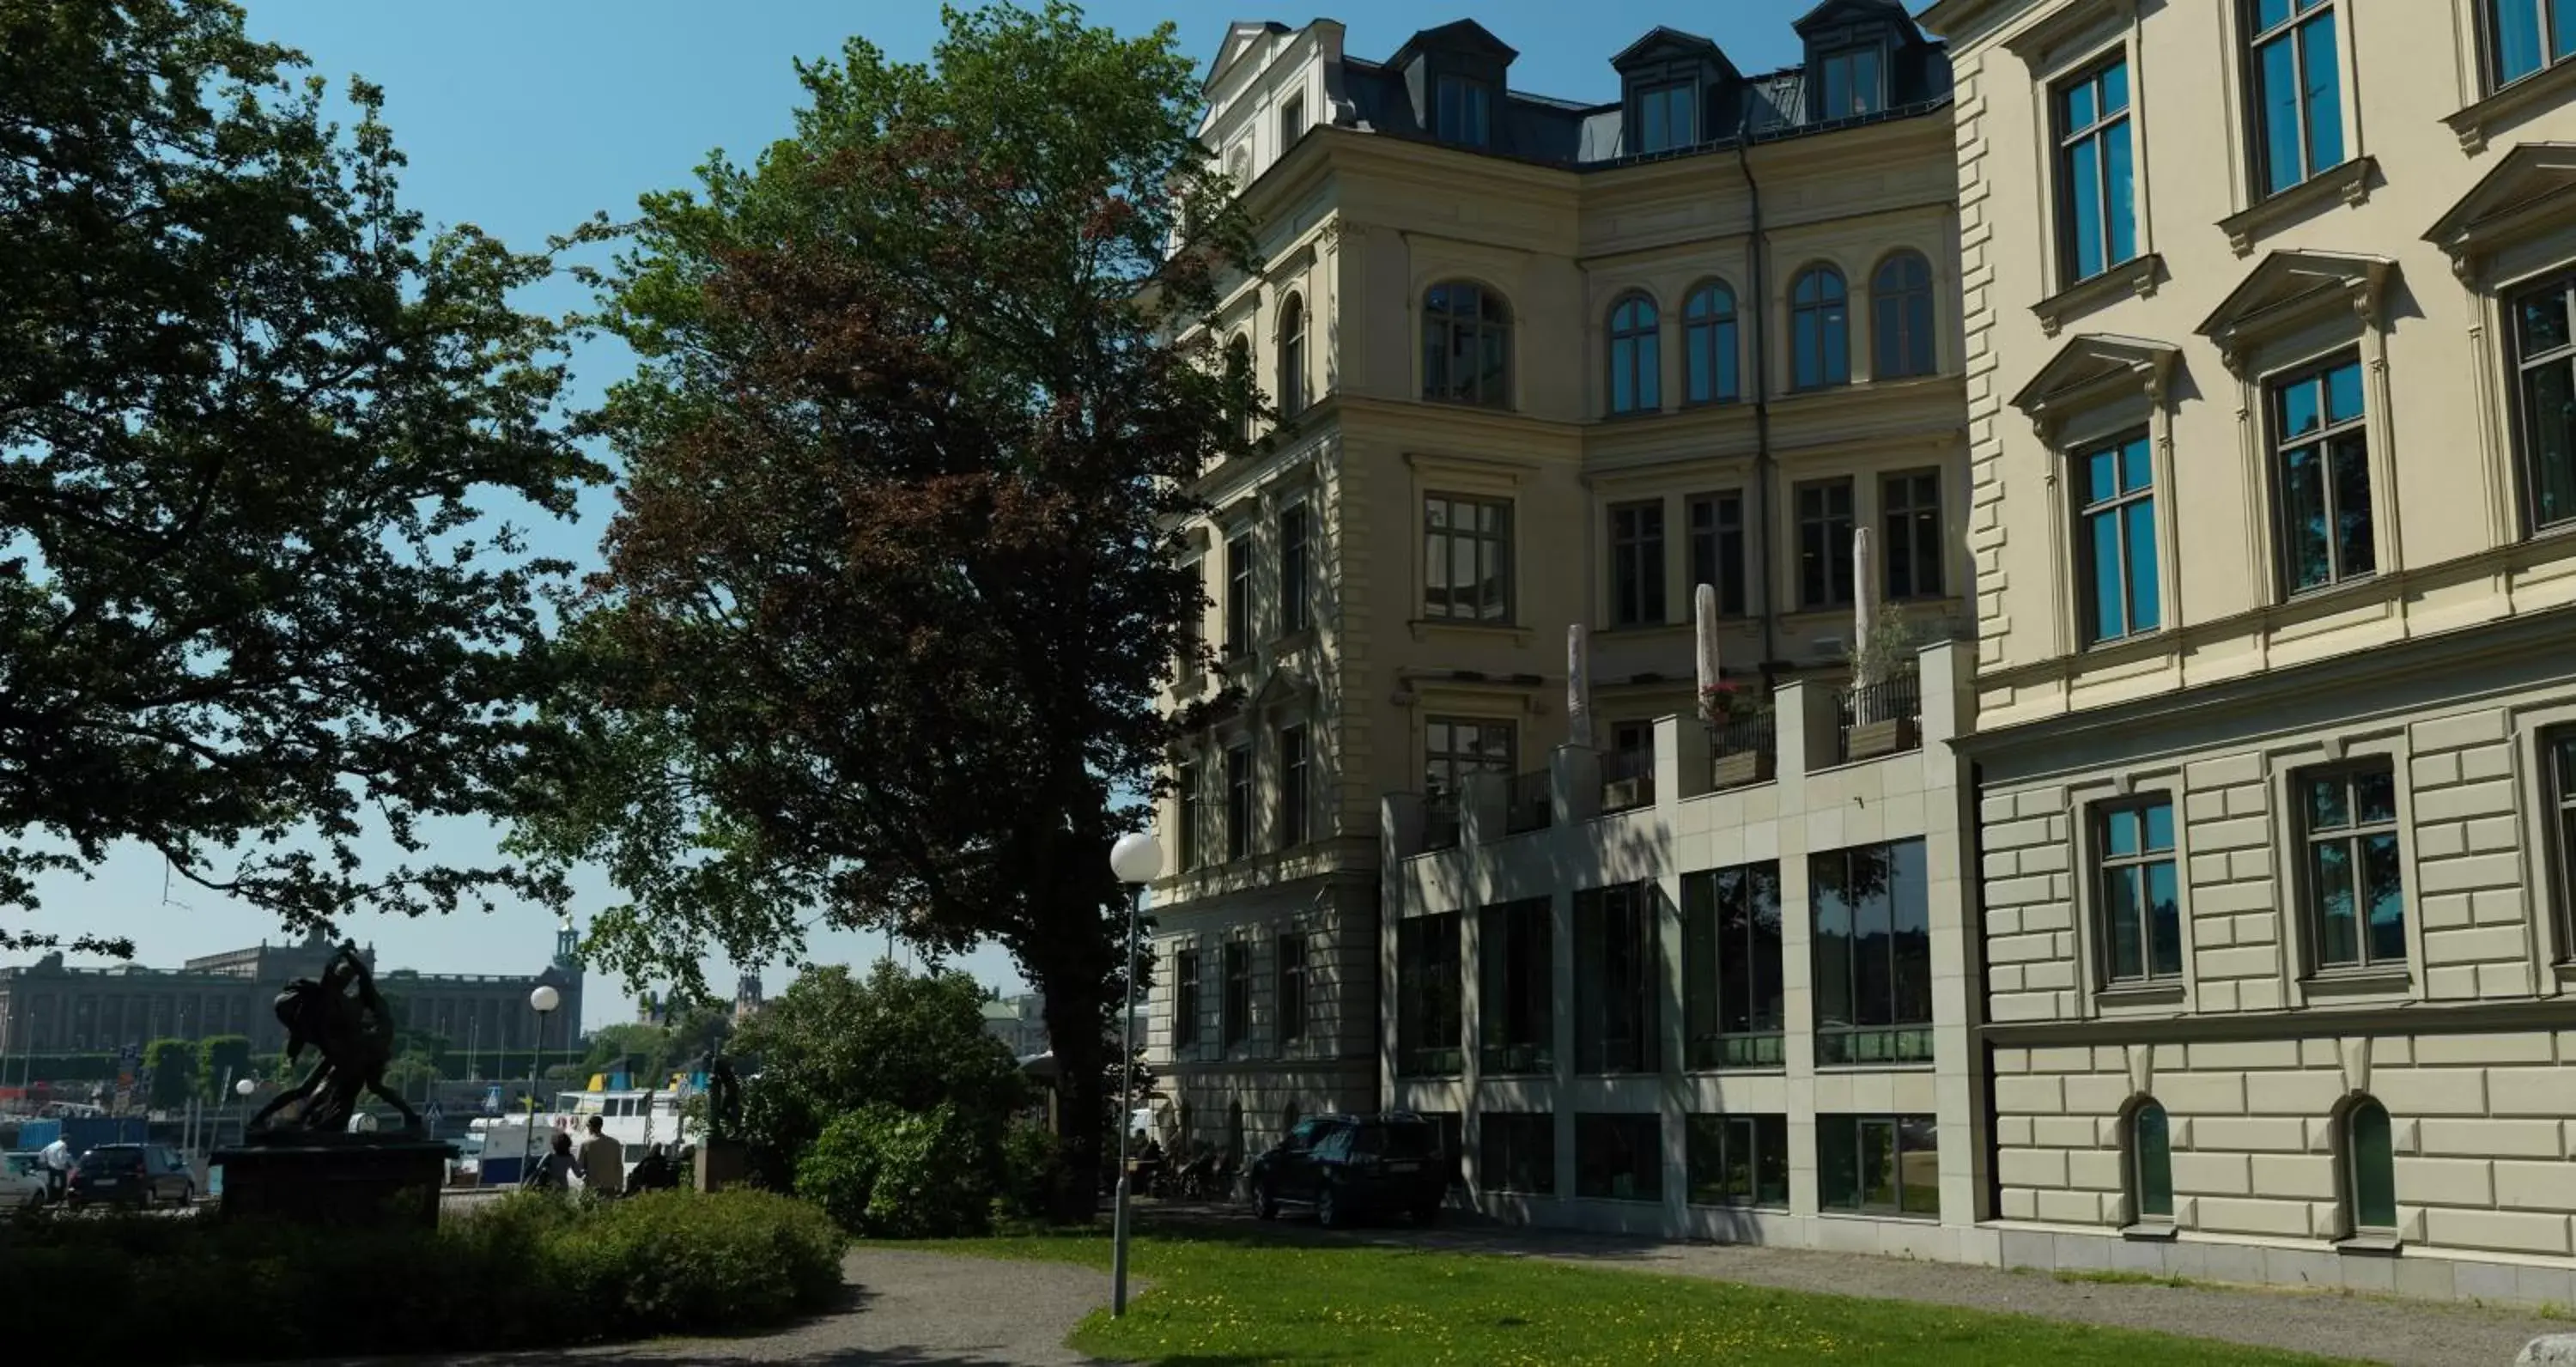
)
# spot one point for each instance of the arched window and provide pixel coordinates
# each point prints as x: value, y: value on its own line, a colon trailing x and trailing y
x: 1292, y: 357
x: 2150, y: 1164
x: 1900, y: 301
x: 1466, y: 345
x: 1708, y: 345
x: 1819, y: 329
x: 1636, y: 356
x: 2370, y: 1169
x: 1238, y: 374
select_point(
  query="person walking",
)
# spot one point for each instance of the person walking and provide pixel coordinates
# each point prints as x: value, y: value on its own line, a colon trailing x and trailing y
x: 603, y: 1163
x: 653, y: 1173
x: 555, y: 1171
x: 58, y: 1168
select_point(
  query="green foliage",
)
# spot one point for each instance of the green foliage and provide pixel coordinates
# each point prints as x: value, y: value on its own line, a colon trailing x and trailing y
x: 889, y: 1174
x: 832, y: 1044
x: 1031, y: 1160
x: 939, y: 363
x: 257, y: 422
x: 221, y: 1056
x: 169, y: 1073
x: 530, y: 1271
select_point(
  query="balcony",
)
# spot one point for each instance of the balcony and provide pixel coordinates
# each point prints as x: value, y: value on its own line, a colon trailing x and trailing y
x: 1879, y: 719
x: 1743, y: 751
x: 1532, y: 804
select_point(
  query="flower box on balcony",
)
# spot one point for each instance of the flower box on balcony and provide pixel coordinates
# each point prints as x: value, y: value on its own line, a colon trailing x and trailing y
x: 1871, y: 739
x: 1739, y: 769
x: 1619, y: 795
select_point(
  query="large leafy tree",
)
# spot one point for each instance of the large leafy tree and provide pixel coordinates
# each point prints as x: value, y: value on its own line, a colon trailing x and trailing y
x: 251, y: 413
x: 896, y: 574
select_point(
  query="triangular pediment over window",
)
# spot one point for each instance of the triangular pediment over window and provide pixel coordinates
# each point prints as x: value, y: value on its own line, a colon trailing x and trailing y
x: 1243, y: 37
x: 1664, y: 44
x: 1464, y: 37
x: 1286, y: 684
x: 1836, y: 12
x: 2094, y: 368
x: 2289, y: 288
x: 2532, y: 189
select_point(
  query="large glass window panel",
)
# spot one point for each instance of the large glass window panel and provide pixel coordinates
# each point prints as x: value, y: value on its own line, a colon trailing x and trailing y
x: 1466, y: 345
x: 1429, y: 997
x: 2322, y: 455
x: 1819, y: 329
x: 2298, y: 91
x: 1517, y: 966
x: 1871, y: 954
x: 2355, y: 892
x: 1617, y: 980
x: 2546, y: 433
x: 1709, y: 345
x: 2096, y: 192
x: 1732, y: 987
x: 2151, y: 1162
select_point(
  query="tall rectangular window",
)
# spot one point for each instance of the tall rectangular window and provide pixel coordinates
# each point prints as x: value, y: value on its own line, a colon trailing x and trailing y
x: 2545, y: 356
x: 1467, y: 559
x: 1717, y: 548
x: 1295, y: 590
x: 1619, y: 1157
x: 1463, y: 113
x: 1238, y: 800
x: 1185, y: 1000
x: 1454, y: 748
x: 1516, y: 971
x: 2560, y: 749
x: 2525, y: 36
x: 1825, y: 545
x: 1637, y: 564
x: 1292, y: 121
x: 1238, y: 596
x: 1872, y: 952
x: 1732, y: 993
x: 1429, y: 1014
x: 1667, y: 117
x: 2321, y: 462
x: 1850, y: 83
x: 1909, y: 508
x: 2356, y: 886
x: 2097, y: 223
x: 1191, y: 816
x: 1292, y: 988
x: 2115, y: 522
x: 1617, y: 982
x: 2141, y: 910
x: 1516, y: 1152
x: 1880, y: 1164
x: 1296, y: 799
x: 1739, y: 1160
x: 2298, y: 90
x: 1238, y: 993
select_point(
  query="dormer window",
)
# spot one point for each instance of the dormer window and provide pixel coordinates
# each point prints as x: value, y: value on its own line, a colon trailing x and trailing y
x: 1850, y: 83
x: 1464, y: 112
x: 1667, y: 116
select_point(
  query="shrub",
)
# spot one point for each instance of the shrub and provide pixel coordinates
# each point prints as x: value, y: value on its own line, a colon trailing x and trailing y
x: 1030, y: 1156
x: 889, y: 1174
x: 528, y: 1271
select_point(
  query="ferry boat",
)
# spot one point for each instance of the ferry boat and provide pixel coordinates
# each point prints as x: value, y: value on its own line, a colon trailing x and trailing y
x: 635, y: 1119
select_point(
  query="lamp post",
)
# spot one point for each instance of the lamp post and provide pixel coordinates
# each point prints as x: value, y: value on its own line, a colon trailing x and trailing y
x: 543, y: 1001
x: 243, y: 1089
x: 1137, y: 859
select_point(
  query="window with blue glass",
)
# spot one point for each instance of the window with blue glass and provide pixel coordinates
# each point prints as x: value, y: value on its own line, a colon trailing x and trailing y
x: 1636, y: 356
x: 2096, y: 176
x: 2321, y: 460
x: 2115, y: 524
x: 1900, y: 297
x: 2527, y: 36
x: 1463, y: 112
x: 2545, y: 353
x: 1819, y: 329
x: 2134, y: 878
x: 2298, y: 90
x: 2356, y: 892
x: 1848, y: 84
x: 1709, y: 344
x: 1667, y: 117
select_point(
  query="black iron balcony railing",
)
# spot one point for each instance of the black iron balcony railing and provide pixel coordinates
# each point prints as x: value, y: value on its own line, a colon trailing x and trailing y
x: 1743, y: 749
x: 1881, y: 718
x: 1532, y: 804
x: 1627, y: 780
x: 1440, y: 822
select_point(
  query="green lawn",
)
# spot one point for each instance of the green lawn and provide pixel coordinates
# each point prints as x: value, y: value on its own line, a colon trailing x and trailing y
x: 1231, y: 1302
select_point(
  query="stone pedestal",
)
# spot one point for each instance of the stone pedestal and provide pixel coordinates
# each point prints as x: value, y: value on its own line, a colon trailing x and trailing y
x: 365, y: 1180
x: 722, y: 1163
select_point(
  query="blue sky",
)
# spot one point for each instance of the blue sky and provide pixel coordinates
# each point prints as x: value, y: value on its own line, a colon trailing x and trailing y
x: 525, y: 118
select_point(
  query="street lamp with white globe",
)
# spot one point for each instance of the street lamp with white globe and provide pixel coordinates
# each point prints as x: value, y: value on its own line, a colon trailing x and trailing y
x: 1137, y: 859
x: 543, y: 1001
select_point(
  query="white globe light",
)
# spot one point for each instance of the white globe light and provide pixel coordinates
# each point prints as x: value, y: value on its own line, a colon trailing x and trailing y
x: 1137, y: 857
x: 545, y: 998
x: 245, y: 1087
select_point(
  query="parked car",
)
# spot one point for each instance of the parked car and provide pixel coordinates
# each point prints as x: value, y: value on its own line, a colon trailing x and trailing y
x: 22, y: 1181
x: 1346, y: 1167
x: 133, y: 1175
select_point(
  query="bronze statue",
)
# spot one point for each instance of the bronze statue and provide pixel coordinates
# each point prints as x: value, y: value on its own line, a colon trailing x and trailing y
x: 349, y: 1026
x: 724, y: 1101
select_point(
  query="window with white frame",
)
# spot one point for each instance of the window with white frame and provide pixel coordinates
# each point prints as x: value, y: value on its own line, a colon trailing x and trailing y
x: 2355, y: 881
x: 2097, y: 224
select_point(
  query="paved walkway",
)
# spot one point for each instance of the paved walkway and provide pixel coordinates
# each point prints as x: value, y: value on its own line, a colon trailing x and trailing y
x: 2412, y: 1333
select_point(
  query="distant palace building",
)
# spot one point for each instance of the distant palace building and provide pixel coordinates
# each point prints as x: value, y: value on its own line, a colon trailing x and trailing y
x: 48, y: 1008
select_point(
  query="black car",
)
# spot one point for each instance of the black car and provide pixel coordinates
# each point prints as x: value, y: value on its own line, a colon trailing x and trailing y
x: 1348, y: 1166
x: 131, y: 1174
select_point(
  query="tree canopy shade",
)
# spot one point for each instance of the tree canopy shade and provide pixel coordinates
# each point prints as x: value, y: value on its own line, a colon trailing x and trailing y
x: 896, y: 573
x: 249, y: 413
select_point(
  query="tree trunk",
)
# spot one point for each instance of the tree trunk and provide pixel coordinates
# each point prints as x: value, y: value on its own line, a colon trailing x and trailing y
x: 1074, y: 1011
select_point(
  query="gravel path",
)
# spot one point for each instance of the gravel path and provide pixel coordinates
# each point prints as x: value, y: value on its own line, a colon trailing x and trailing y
x: 2412, y: 1333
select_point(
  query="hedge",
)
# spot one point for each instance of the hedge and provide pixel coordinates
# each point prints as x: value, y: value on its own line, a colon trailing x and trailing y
x: 528, y: 1271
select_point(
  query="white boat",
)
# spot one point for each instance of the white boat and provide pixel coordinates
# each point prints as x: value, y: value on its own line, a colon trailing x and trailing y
x: 637, y: 1120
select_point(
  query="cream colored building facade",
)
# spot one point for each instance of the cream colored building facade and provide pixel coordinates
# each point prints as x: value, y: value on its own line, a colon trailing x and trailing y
x: 1544, y: 363
x: 2272, y: 462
